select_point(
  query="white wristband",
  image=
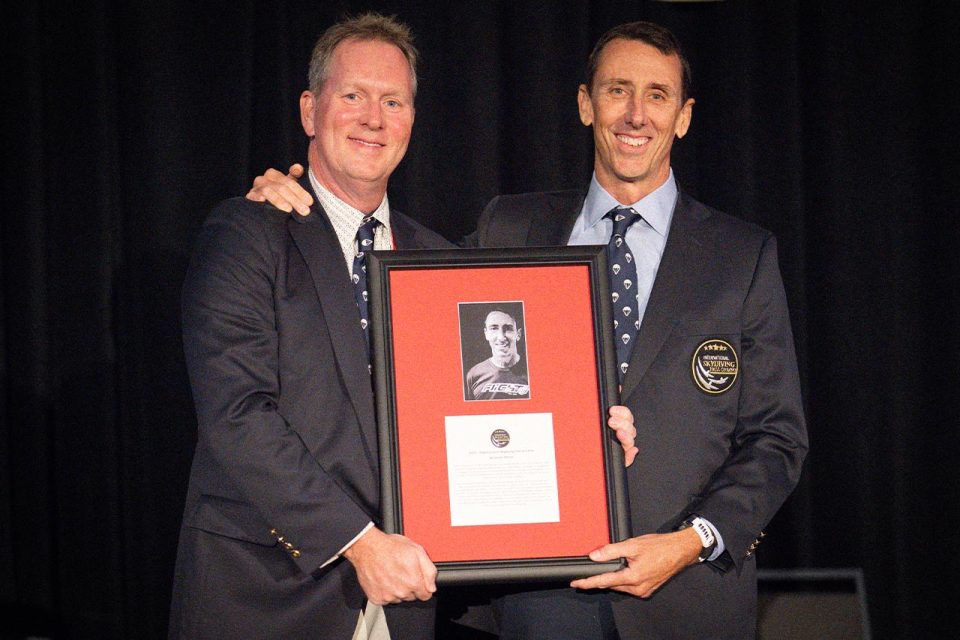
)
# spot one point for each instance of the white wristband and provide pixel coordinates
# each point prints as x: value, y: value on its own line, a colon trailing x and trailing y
x: 707, y: 539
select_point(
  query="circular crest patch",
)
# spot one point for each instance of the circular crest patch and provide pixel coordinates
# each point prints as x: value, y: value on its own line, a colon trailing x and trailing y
x: 500, y: 438
x: 715, y: 366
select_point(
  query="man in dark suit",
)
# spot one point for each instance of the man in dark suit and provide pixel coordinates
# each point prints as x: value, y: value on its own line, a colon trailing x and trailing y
x: 711, y: 376
x: 711, y: 379
x: 279, y: 537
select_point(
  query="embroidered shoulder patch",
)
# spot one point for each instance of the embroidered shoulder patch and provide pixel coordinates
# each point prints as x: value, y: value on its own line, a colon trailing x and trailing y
x: 715, y: 366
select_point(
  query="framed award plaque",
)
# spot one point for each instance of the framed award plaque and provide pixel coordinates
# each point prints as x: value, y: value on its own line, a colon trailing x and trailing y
x: 494, y: 371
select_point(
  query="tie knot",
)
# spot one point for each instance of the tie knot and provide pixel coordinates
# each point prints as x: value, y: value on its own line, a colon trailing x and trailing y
x: 622, y: 218
x: 365, y: 234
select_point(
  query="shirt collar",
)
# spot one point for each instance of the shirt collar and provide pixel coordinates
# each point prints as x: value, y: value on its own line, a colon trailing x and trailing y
x: 334, y: 206
x: 656, y: 208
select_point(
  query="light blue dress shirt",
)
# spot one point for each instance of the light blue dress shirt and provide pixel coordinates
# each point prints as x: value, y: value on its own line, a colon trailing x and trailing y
x: 646, y: 239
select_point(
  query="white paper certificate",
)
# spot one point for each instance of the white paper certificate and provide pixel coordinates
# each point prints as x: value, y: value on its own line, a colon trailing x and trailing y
x: 502, y: 469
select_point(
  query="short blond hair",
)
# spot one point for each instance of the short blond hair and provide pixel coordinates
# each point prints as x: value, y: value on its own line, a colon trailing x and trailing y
x: 367, y: 26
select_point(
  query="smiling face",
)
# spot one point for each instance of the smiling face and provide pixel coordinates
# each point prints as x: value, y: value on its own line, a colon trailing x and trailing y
x: 360, y: 122
x: 502, y: 333
x: 636, y: 109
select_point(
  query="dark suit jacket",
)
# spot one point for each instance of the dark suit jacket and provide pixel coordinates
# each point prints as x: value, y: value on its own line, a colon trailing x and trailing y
x: 731, y: 457
x: 285, y: 471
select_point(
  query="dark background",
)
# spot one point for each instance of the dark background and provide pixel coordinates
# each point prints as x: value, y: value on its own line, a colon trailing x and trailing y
x: 834, y: 124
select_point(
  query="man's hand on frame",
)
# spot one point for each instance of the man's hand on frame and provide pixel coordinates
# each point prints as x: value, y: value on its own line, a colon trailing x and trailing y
x: 651, y: 561
x: 392, y: 568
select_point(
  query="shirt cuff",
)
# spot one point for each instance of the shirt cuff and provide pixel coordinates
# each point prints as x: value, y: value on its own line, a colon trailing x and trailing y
x: 350, y: 544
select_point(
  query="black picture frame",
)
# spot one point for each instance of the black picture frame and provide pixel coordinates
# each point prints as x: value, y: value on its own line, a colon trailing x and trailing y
x: 387, y: 271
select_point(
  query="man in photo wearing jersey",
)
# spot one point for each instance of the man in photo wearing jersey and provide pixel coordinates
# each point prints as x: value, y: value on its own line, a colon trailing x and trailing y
x: 502, y: 376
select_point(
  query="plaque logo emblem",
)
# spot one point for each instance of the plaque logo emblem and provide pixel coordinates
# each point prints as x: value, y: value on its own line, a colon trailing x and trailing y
x: 500, y: 438
x: 715, y: 366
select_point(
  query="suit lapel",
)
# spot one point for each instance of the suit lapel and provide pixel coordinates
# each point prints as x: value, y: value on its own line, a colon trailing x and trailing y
x: 318, y: 244
x: 669, y: 288
x: 680, y: 254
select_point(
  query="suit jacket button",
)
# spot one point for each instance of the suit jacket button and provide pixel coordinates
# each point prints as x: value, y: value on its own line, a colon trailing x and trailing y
x: 295, y: 553
x: 288, y: 546
x: 274, y: 532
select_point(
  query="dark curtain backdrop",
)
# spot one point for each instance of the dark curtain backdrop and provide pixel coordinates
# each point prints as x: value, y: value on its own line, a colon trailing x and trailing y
x: 833, y: 124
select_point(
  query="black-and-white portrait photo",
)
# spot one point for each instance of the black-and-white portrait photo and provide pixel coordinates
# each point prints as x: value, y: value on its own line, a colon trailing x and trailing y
x: 493, y: 351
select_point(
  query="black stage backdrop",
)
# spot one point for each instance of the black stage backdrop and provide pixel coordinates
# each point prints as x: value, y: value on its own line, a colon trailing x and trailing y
x: 833, y: 124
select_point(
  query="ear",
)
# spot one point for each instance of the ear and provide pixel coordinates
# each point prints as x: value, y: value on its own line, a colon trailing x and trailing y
x: 519, y: 335
x: 686, y: 115
x: 585, y: 105
x: 308, y: 104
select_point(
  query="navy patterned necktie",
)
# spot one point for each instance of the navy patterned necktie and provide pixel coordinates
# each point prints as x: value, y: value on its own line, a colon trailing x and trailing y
x: 359, y: 276
x: 623, y: 286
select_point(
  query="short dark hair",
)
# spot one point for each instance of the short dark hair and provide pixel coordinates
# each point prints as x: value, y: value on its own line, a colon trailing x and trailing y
x: 660, y: 38
x: 505, y: 312
x: 367, y: 26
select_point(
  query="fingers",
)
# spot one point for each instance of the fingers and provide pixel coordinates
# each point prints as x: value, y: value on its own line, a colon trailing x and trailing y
x: 426, y: 584
x: 429, y: 573
x: 295, y: 170
x: 264, y: 191
x: 615, y: 582
x: 297, y: 195
x: 282, y: 190
x: 630, y: 579
x: 620, y: 411
x: 652, y: 560
x: 610, y: 552
x: 621, y: 421
x: 602, y: 581
x: 255, y: 193
x: 392, y: 568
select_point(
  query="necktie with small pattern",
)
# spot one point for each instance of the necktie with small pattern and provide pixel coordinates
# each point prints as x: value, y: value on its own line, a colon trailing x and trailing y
x: 359, y: 276
x: 623, y: 286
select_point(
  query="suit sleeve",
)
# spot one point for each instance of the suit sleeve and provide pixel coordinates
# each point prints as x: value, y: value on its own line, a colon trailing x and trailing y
x: 231, y: 347
x: 770, y: 438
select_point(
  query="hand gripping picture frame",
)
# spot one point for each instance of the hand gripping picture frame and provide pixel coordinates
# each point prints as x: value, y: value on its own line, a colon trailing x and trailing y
x: 494, y: 370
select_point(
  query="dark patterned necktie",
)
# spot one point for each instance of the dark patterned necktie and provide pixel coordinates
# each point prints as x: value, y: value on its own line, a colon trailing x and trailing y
x: 623, y: 286
x: 359, y: 277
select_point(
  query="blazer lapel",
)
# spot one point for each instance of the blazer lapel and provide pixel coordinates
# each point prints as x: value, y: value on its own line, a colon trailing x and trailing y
x: 318, y: 244
x: 669, y: 289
